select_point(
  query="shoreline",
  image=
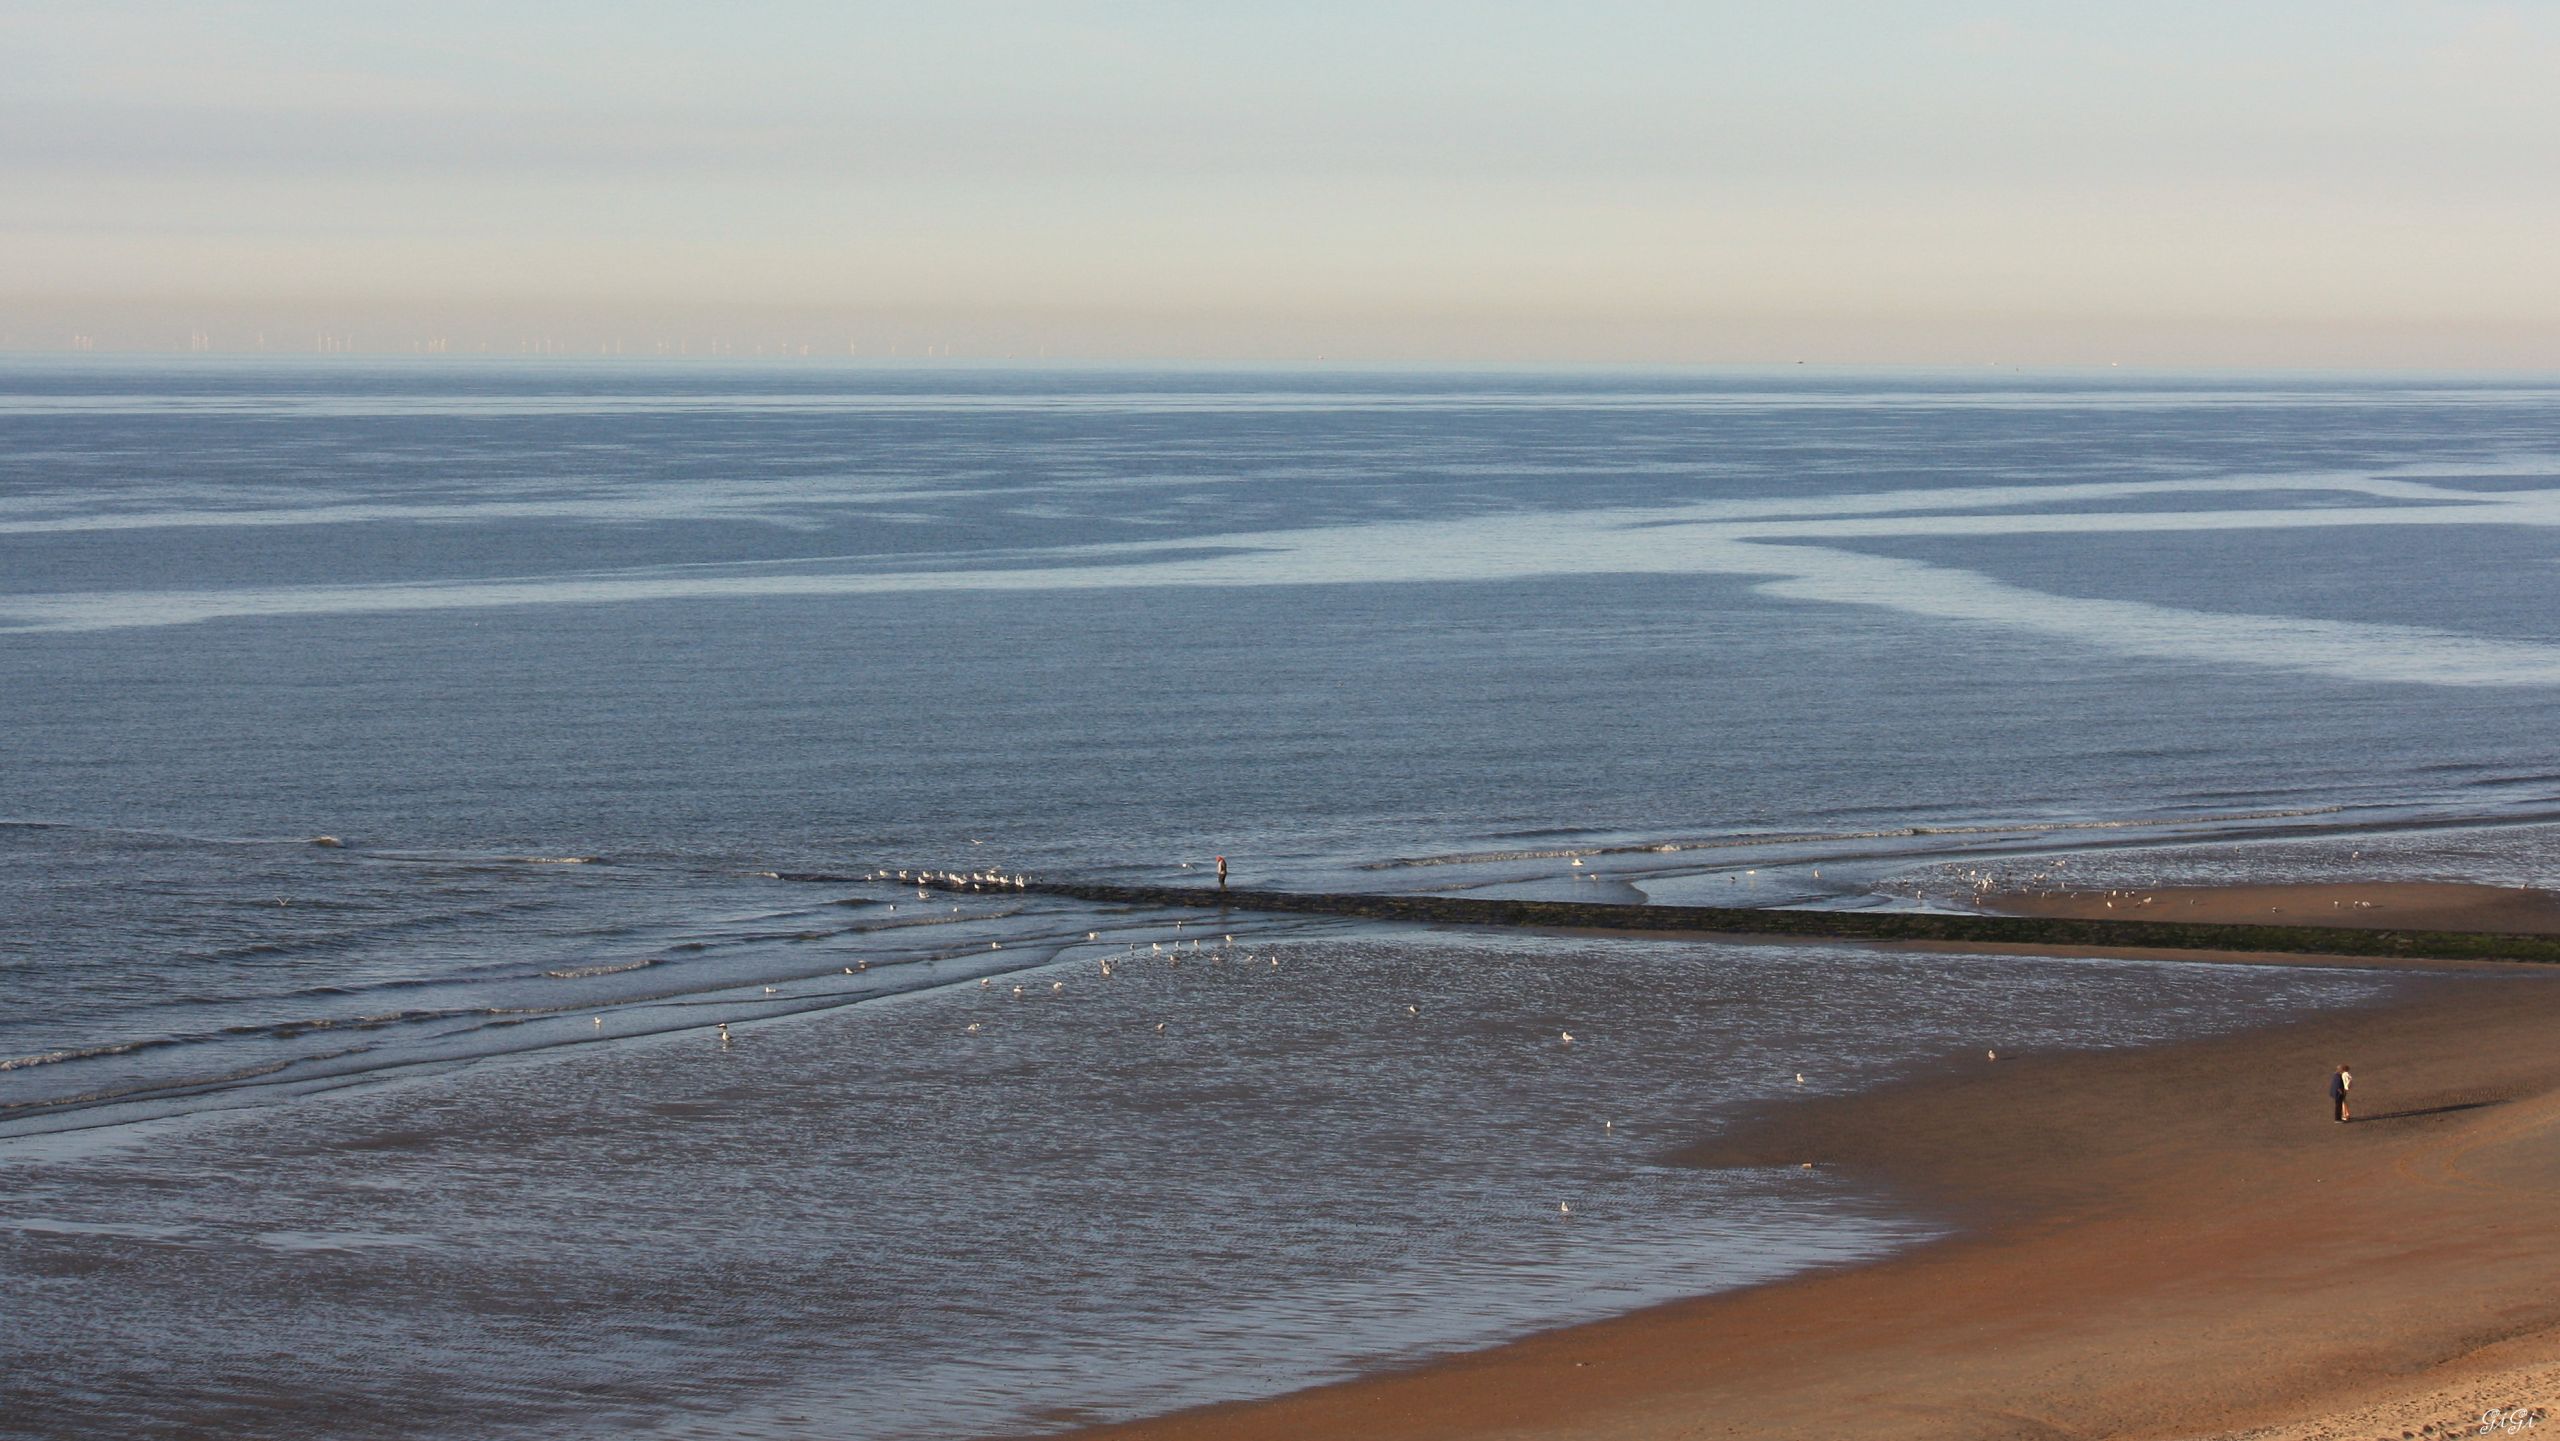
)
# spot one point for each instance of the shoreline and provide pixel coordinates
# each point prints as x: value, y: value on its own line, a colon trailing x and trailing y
x: 2164, y: 1241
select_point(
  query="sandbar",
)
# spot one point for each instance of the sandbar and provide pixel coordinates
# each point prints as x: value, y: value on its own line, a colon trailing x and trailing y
x: 2364, y: 905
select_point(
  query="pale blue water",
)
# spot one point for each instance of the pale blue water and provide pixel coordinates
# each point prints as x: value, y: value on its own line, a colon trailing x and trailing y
x: 580, y: 661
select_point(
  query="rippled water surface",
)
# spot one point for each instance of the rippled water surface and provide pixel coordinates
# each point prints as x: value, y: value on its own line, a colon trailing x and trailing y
x: 610, y: 688
x: 879, y: 1221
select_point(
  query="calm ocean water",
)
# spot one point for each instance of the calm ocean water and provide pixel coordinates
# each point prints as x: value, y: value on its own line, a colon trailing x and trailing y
x: 607, y: 684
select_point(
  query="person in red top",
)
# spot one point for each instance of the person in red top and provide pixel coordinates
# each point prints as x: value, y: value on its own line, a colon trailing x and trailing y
x: 1222, y: 873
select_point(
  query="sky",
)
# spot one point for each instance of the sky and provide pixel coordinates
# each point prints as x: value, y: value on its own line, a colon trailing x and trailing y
x: 2346, y: 182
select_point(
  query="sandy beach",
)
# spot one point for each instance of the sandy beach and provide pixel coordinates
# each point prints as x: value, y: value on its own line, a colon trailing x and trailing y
x: 2167, y: 1242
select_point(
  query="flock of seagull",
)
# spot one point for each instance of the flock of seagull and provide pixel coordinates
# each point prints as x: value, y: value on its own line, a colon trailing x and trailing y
x: 926, y: 881
x: 981, y: 881
x: 1975, y: 884
x: 955, y: 880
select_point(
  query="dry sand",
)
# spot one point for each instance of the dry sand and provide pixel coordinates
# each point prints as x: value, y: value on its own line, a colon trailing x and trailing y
x: 2168, y: 1242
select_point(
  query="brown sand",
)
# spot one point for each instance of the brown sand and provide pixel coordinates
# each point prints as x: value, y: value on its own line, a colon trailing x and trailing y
x: 2168, y: 1242
x: 2372, y: 905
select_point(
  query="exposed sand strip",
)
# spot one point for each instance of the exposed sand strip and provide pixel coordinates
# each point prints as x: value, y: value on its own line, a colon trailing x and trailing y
x: 2365, y: 905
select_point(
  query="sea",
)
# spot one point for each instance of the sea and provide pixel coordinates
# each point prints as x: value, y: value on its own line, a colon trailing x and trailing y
x: 456, y: 975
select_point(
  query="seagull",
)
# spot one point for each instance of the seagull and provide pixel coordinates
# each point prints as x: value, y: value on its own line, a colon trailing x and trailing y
x: 724, y: 1033
x: 1413, y: 1010
x: 848, y: 970
x: 1017, y: 990
x: 1991, y: 1055
x: 1057, y: 985
x: 769, y: 990
x: 1568, y: 1038
x: 1564, y: 1208
x: 1159, y: 1028
x: 1807, y: 1166
x: 599, y: 1020
x: 985, y: 981
x: 973, y: 1028
x: 1608, y: 1125
x: 1093, y: 935
x: 995, y: 945
x: 1577, y: 860
x: 1799, y: 1078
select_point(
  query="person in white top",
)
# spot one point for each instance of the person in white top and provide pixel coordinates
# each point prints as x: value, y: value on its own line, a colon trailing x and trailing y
x: 2338, y: 1085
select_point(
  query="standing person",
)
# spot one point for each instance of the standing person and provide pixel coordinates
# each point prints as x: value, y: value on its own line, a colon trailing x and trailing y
x: 2338, y: 1085
x: 1222, y: 873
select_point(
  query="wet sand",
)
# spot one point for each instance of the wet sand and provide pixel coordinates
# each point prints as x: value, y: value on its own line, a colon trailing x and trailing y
x: 2168, y: 1242
x: 2369, y: 905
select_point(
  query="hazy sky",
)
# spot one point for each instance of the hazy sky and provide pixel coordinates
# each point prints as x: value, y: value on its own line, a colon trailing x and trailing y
x: 2325, y: 181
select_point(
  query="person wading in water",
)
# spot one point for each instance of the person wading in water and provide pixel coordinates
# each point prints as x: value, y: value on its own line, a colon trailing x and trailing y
x: 1222, y: 873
